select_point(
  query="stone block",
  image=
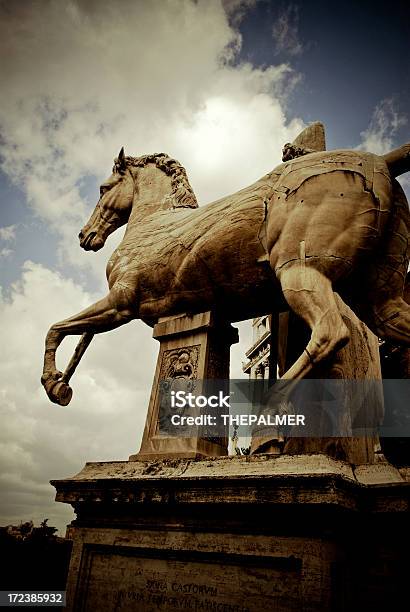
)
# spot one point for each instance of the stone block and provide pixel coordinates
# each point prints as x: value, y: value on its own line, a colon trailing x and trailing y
x: 241, y: 534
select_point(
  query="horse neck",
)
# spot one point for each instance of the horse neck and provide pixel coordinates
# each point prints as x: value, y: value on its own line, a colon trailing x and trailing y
x: 151, y: 187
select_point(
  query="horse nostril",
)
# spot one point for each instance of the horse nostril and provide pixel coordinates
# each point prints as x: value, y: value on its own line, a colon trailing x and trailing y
x: 81, y: 235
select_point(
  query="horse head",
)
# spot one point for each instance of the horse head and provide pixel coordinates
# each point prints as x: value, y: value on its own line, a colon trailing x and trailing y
x: 113, y: 208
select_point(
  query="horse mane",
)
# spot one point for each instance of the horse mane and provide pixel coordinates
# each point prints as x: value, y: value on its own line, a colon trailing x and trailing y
x: 182, y: 195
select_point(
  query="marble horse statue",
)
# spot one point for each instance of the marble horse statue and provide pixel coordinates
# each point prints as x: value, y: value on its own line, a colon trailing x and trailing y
x: 321, y: 221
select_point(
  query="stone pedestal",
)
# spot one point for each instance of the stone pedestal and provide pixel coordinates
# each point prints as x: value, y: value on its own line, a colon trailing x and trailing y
x: 193, y: 348
x: 359, y: 360
x: 243, y: 534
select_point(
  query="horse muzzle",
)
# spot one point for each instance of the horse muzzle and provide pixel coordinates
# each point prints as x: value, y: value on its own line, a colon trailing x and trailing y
x: 90, y: 241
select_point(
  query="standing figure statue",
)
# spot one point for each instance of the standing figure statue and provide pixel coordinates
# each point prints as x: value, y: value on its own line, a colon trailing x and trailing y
x: 319, y: 222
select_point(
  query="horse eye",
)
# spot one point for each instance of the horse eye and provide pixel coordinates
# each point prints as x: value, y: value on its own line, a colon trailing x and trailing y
x: 102, y: 191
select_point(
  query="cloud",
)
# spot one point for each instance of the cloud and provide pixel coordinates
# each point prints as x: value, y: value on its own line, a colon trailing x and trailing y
x: 285, y: 31
x: 237, y: 9
x: 384, y: 125
x: 40, y: 441
x: 404, y: 180
x: 85, y: 78
x: 8, y: 233
x: 381, y: 135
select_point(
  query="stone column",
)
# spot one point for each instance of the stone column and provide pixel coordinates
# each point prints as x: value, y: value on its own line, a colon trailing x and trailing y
x: 266, y: 369
x: 193, y: 347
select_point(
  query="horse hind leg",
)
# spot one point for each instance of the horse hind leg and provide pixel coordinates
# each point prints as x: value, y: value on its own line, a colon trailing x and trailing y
x: 310, y: 295
x: 392, y: 321
x: 385, y: 311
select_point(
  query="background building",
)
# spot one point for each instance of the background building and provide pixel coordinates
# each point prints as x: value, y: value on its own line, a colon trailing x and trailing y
x: 257, y: 365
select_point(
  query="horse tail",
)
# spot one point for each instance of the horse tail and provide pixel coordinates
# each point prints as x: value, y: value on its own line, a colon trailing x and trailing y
x: 398, y: 160
x: 389, y: 313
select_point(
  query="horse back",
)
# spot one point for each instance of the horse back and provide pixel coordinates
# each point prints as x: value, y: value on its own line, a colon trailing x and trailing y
x: 205, y: 257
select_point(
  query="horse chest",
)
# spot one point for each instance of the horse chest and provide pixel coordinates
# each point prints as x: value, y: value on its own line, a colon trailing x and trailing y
x: 153, y: 263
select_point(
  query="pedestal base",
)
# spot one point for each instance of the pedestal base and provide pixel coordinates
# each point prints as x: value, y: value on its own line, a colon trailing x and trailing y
x: 241, y: 534
x: 181, y: 448
x: 193, y: 349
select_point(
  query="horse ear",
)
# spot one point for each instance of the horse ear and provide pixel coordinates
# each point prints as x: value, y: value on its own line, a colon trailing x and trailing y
x: 121, y: 161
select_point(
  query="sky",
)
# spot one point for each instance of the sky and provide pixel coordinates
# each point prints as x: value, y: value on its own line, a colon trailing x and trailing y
x: 218, y: 85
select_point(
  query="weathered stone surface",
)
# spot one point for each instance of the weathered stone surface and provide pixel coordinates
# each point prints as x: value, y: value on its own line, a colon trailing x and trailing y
x: 381, y: 473
x: 247, y: 533
x: 320, y: 218
x: 358, y: 360
x: 311, y: 139
x: 253, y: 479
x: 192, y: 348
x: 217, y: 467
x: 130, y: 578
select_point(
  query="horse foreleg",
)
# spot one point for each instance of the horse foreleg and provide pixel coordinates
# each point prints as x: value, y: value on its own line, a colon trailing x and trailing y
x: 310, y: 295
x: 104, y: 315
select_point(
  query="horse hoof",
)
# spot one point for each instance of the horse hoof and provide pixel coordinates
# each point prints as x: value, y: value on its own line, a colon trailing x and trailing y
x: 60, y: 393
